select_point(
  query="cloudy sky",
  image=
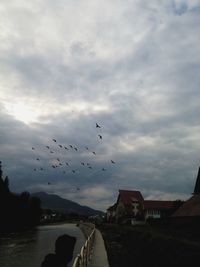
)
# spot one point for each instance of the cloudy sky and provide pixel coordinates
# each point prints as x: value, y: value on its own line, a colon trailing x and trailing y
x: 132, y: 66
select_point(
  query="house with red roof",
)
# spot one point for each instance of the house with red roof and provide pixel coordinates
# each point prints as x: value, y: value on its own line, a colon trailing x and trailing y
x: 190, y: 210
x: 158, y: 208
x: 131, y: 207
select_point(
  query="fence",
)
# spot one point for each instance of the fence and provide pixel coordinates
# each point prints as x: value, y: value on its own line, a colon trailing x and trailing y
x: 82, y: 259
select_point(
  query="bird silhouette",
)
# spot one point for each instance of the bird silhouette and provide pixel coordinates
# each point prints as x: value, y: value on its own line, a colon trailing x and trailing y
x: 49, y: 183
x: 88, y: 164
x: 66, y: 148
x: 51, y: 152
x: 47, y: 147
x: 58, y: 159
x: 103, y: 169
x: 41, y: 169
x: 73, y: 171
x: 87, y: 148
x: 100, y: 136
x: 97, y: 125
x: 82, y: 163
x: 71, y: 146
x: 90, y: 167
x: 113, y: 161
x: 60, y: 146
x: 54, y: 140
x: 53, y: 166
x: 67, y: 163
x: 34, y: 169
x: 75, y: 148
x: 94, y: 152
x: 33, y: 148
x: 77, y: 188
x: 37, y: 159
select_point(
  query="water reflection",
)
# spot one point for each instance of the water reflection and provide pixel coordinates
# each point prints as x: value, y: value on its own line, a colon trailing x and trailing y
x: 30, y: 248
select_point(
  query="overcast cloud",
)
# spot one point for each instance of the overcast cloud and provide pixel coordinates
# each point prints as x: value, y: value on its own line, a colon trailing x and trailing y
x: 131, y: 66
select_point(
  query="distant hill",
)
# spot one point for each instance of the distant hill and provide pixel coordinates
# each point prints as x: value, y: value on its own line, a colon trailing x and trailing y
x: 54, y: 202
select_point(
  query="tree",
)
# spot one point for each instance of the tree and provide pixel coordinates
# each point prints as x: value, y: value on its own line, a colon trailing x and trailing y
x: 17, y: 211
x: 1, y: 180
x: 6, y: 185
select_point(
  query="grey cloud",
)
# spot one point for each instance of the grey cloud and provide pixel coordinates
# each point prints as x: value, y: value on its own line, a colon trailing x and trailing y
x: 135, y: 73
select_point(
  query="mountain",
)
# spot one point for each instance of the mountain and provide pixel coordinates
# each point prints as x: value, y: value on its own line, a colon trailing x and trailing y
x: 54, y: 202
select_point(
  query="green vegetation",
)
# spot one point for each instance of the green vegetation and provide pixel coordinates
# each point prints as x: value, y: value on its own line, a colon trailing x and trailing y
x: 142, y: 246
x: 18, y: 212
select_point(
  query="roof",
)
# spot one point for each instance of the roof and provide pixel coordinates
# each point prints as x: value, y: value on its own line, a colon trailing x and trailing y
x: 158, y: 204
x: 128, y: 196
x: 190, y: 208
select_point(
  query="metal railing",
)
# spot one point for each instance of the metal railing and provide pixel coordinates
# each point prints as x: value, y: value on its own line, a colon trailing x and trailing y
x: 82, y: 259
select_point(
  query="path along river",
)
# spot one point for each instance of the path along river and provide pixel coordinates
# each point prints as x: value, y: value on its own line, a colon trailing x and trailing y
x: 28, y: 249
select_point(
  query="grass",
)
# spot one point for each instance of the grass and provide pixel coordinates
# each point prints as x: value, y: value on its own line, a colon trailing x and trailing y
x: 155, y: 246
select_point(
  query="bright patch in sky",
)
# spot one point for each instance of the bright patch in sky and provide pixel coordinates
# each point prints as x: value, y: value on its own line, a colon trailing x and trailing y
x: 23, y: 112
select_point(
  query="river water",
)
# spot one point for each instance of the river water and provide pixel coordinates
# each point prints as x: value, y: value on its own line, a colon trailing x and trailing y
x: 28, y: 249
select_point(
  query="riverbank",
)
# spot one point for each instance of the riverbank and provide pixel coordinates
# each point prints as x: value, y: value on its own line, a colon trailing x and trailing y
x: 30, y: 248
x: 142, y: 246
x: 86, y: 228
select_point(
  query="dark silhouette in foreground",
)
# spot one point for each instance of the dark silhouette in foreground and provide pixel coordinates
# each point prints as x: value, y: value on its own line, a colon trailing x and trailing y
x: 17, y: 211
x: 64, y: 247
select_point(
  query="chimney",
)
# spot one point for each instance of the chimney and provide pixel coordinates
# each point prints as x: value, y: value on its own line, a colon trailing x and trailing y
x: 197, y: 185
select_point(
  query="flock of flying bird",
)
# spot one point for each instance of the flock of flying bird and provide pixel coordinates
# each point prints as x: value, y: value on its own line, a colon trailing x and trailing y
x: 60, y: 163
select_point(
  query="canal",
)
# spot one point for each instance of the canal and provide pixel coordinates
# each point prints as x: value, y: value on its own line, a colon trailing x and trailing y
x: 30, y: 248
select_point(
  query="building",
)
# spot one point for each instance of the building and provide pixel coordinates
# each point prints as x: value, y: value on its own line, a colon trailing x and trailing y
x: 111, y: 213
x: 157, y: 209
x: 131, y: 207
x: 190, y: 210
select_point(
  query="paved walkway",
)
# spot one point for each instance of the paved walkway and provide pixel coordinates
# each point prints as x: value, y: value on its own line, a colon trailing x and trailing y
x: 99, y: 255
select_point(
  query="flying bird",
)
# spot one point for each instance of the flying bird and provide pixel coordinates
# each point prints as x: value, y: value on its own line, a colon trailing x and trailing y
x: 77, y: 188
x: 76, y: 148
x: 82, y: 163
x: 100, y: 136
x: 73, y: 171
x: 97, y: 125
x: 103, y: 169
x: 60, y: 146
x: 33, y: 148
x: 66, y: 148
x: 67, y: 163
x: 113, y: 161
x: 37, y: 159
x: 51, y: 152
x: 49, y: 183
x: 94, y: 152
x: 71, y: 146
x: 54, y: 140
x: 87, y: 148
x: 47, y: 147
x: 41, y: 169
x: 90, y: 167
x: 58, y: 159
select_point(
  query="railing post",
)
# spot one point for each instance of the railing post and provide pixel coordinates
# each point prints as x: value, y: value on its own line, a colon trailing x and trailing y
x: 82, y: 259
